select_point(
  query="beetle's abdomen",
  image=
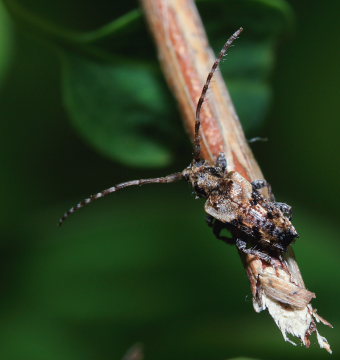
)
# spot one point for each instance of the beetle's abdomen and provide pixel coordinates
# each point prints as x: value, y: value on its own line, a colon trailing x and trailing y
x: 270, y: 226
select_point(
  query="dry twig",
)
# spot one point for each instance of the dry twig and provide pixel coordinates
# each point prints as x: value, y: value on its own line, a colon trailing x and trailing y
x: 186, y: 59
x: 135, y: 352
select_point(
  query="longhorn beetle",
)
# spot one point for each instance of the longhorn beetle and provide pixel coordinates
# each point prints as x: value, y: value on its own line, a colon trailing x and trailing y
x: 258, y: 226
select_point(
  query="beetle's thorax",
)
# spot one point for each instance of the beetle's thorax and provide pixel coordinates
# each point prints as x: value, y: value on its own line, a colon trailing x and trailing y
x: 203, y: 177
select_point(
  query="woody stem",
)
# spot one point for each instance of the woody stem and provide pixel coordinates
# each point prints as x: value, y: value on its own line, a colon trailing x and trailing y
x: 186, y: 59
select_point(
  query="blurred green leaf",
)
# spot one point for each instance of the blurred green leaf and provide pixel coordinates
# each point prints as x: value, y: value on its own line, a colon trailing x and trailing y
x: 267, y: 18
x: 5, y: 42
x: 118, y: 108
x: 122, y: 108
x: 246, y: 72
x: 251, y: 99
x: 81, y: 42
x: 252, y: 60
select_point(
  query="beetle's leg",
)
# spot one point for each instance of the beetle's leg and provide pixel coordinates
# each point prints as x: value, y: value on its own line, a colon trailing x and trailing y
x: 217, y: 227
x: 260, y: 184
x: 285, y: 208
x: 221, y: 162
x: 242, y: 246
x: 210, y: 220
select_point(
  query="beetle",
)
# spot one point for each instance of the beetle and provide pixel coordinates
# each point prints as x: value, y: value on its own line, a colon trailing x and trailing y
x: 258, y: 225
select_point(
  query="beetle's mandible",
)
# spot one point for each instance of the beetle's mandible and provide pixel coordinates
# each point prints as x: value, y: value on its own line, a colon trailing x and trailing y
x: 258, y: 226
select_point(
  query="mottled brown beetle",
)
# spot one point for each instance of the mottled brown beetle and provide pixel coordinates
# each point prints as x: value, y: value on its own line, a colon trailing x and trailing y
x: 258, y: 226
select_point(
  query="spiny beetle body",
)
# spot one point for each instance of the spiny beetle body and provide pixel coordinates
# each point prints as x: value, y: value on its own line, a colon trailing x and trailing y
x: 258, y: 225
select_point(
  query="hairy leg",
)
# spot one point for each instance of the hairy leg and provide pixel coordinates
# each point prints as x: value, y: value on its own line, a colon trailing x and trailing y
x: 217, y: 228
x: 285, y: 208
x: 260, y: 184
x: 242, y: 246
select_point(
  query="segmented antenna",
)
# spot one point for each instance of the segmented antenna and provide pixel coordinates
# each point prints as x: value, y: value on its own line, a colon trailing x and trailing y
x: 227, y: 45
x: 92, y: 198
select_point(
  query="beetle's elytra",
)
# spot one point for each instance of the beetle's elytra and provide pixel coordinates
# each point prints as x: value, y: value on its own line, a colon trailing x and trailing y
x: 258, y: 226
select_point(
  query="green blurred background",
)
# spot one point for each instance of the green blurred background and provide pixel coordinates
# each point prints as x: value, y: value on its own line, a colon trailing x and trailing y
x: 82, y: 109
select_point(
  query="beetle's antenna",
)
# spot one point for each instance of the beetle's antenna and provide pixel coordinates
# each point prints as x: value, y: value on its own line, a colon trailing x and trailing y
x: 92, y: 198
x: 223, y: 52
